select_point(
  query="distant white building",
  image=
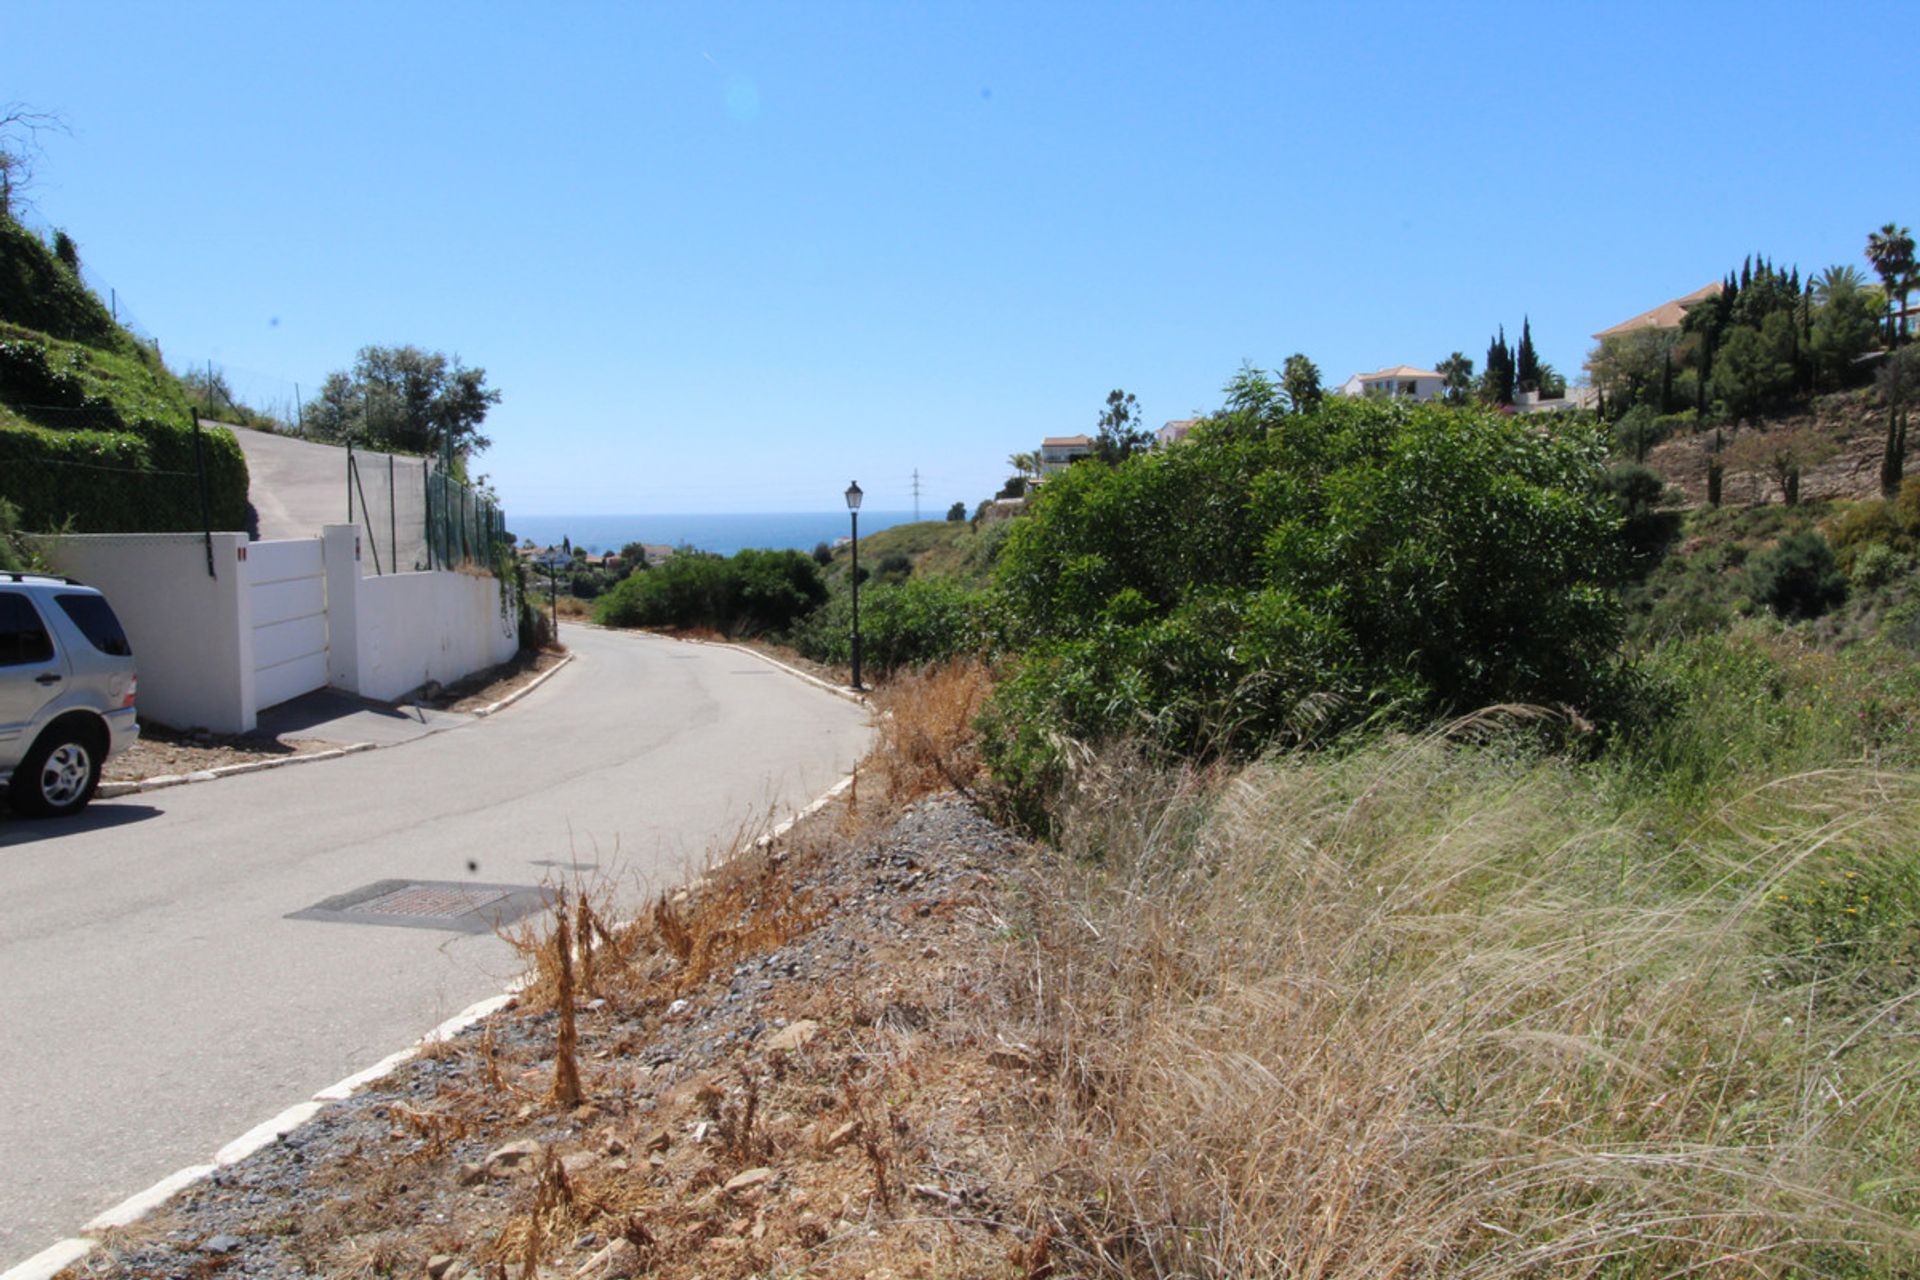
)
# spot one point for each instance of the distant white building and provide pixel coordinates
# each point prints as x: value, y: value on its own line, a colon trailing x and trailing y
x: 1057, y: 453
x: 1402, y: 382
x: 1174, y: 432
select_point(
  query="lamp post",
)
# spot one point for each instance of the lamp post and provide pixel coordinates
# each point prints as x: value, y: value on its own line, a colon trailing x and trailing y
x: 853, y: 512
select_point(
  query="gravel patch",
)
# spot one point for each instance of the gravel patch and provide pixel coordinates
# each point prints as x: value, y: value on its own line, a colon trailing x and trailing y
x: 784, y: 1072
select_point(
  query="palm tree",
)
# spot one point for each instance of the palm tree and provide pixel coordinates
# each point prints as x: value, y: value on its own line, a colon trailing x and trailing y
x: 1458, y: 372
x: 1025, y: 464
x: 1837, y: 282
x: 1890, y: 250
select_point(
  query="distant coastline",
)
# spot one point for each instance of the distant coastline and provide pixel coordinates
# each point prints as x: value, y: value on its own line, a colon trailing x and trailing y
x: 718, y: 532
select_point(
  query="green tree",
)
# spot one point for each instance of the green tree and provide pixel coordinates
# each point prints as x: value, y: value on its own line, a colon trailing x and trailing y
x: 1122, y: 431
x: 633, y: 558
x: 1458, y: 372
x: 1799, y: 577
x: 1754, y: 369
x: 1251, y: 392
x: 1895, y: 382
x: 1497, y: 381
x: 1300, y: 379
x: 1025, y: 464
x: 1526, y: 362
x: 1890, y: 250
x: 1255, y: 403
x: 405, y: 399
x: 957, y: 513
x: 1845, y: 319
x: 1627, y: 368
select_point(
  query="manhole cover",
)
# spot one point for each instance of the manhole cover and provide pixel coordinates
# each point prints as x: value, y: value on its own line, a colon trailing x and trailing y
x: 430, y: 900
x: 429, y: 904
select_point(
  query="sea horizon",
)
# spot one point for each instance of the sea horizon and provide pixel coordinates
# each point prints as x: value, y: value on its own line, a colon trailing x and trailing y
x: 721, y: 532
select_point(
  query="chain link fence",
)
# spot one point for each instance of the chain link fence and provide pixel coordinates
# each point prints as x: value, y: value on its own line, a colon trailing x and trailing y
x: 415, y: 514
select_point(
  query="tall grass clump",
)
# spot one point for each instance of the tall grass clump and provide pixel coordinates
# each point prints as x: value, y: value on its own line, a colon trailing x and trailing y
x: 1429, y: 1006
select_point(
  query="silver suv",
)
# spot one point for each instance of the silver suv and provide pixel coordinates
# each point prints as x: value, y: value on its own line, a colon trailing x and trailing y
x: 66, y: 692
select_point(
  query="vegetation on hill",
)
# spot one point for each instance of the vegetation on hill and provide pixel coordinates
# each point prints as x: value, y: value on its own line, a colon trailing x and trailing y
x: 95, y: 434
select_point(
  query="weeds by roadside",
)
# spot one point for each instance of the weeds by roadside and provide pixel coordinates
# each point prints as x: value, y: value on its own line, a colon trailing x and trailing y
x: 1431, y: 1009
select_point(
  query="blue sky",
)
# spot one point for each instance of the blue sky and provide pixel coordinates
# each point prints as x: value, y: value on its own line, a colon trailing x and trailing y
x: 727, y: 257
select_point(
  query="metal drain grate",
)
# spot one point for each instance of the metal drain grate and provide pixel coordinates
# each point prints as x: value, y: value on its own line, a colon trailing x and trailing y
x: 429, y: 904
x: 430, y: 900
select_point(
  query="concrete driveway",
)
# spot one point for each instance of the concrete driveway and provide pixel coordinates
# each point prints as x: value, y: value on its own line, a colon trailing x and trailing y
x: 157, y: 1000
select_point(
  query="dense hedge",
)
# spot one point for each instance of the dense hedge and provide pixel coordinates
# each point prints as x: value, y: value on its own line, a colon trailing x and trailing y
x: 142, y: 480
x: 902, y: 624
x: 1368, y: 557
x: 749, y: 593
x: 100, y: 440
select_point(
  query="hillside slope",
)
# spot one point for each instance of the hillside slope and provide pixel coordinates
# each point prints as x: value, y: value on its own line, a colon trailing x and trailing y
x: 95, y: 434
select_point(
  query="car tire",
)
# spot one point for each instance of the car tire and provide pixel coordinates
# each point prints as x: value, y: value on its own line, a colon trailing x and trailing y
x: 58, y: 776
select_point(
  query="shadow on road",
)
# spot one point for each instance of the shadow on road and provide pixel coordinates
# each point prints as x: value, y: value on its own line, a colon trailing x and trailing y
x: 98, y: 816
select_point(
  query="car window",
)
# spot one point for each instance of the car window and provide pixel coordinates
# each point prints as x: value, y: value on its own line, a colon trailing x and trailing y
x: 94, y: 616
x: 23, y: 638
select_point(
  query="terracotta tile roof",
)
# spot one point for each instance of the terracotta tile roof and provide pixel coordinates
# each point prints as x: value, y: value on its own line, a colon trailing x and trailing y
x: 1399, y: 371
x: 1066, y: 442
x: 1665, y: 316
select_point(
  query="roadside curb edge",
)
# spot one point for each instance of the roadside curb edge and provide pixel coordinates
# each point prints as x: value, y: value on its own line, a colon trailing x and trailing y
x: 525, y: 689
x: 160, y: 782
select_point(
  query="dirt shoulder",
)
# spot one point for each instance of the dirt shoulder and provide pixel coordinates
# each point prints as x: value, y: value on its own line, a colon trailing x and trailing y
x: 785, y: 1071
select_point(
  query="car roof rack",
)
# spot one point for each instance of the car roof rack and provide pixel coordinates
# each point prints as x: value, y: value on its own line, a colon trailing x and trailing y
x: 21, y: 575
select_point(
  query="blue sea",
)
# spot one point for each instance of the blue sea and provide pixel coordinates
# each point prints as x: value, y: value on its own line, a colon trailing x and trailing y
x: 725, y: 534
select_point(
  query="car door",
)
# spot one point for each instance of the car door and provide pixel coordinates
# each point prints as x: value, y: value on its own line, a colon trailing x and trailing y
x: 32, y: 674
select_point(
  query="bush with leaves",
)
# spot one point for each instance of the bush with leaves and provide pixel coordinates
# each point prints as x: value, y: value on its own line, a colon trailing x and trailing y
x: 749, y: 593
x: 1367, y: 557
x: 904, y: 624
x: 1798, y: 577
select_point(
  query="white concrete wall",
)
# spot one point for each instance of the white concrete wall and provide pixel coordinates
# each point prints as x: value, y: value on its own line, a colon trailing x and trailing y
x: 191, y: 633
x: 416, y: 627
x: 280, y: 618
x: 409, y: 628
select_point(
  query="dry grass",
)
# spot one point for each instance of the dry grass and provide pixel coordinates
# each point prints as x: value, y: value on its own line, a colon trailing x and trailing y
x: 926, y: 741
x: 1441, y: 1010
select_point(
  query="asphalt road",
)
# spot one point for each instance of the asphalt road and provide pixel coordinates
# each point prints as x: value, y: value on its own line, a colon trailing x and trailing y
x: 156, y: 1002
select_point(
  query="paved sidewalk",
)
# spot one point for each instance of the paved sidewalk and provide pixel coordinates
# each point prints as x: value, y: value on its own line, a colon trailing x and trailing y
x: 327, y: 715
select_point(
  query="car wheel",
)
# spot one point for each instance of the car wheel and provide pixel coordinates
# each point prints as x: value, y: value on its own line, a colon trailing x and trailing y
x: 58, y: 776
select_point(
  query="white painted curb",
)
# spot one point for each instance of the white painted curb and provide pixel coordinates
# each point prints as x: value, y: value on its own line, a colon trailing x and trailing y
x: 111, y: 790
x: 49, y: 1261
x: 856, y: 696
x: 524, y: 690
x: 108, y: 790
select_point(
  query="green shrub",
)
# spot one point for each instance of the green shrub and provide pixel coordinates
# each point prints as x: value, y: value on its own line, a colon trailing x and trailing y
x: 902, y: 624
x: 1875, y: 566
x: 1645, y: 531
x: 1798, y: 578
x: 39, y: 292
x: 750, y: 593
x: 1366, y: 557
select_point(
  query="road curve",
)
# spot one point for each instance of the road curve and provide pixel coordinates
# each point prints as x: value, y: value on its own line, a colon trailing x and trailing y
x: 156, y: 1000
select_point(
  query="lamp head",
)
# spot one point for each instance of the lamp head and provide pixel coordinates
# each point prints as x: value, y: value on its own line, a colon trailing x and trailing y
x: 853, y: 496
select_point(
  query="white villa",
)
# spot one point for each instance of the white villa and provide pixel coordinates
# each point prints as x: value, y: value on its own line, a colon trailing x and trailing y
x: 1402, y: 382
x: 1057, y: 453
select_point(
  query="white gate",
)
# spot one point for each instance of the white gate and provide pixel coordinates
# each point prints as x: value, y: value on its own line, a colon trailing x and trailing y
x: 287, y: 586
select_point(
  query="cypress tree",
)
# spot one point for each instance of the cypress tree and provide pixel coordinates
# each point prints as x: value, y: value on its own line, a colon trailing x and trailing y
x: 1666, y: 382
x: 1527, y: 364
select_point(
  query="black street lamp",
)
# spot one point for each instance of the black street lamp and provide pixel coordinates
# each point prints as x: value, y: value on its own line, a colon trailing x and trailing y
x: 853, y: 511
